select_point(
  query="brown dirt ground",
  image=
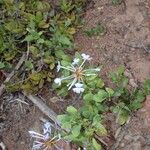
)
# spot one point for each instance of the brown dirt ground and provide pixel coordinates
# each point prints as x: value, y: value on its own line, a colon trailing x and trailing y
x: 127, y: 42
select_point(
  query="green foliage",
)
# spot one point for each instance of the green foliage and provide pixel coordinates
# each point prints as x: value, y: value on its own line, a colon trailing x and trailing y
x: 126, y: 100
x: 96, y: 31
x: 82, y: 124
x: 116, y: 2
x: 37, y: 29
x: 147, y: 87
x: 80, y: 128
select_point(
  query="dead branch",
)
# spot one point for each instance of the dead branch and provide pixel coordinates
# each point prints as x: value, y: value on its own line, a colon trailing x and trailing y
x: 43, y: 107
x: 2, y: 87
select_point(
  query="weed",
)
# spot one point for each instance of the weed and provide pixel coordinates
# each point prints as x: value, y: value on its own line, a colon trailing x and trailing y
x: 98, y: 99
x: 126, y: 100
x: 116, y: 2
x: 95, y: 31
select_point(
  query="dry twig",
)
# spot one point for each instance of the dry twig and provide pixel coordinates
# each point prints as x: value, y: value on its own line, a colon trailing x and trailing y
x: 43, y: 107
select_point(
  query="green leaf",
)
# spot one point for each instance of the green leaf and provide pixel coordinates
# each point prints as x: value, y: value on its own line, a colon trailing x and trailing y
x: 101, y: 130
x: 29, y: 64
x: 62, y: 92
x: 29, y: 38
x: 135, y: 105
x: 35, y: 76
x: 116, y: 2
x: 100, y: 83
x: 100, y: 96
x: 76, y: 130
x: 121, y: 70
x: 34, y: 50
x: 78, y: 56
x: 38, y: 16
x: 88, y: 97
x: 2, y: 65
x: 64, y: 119
x: 59, y: 53
x: 65, y: 63
x: 147, y: 86
x: 65, y: 40
x: 110, y: 91
x: 14, y: 27
x: 122, y: 117
x: 139, y: 97
x: 96, y: 145
x: 96, y: 120
x: 71, y: 110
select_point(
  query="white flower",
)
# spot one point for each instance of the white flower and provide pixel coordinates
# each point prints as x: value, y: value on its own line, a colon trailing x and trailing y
x: 44, y: 141
x: 47, y: 127
x: 75, y: 61
x: 58, y: 81
x: 86, y: 57
x: 77, y: 73
x: 37, y: 145
x: 78, y: 88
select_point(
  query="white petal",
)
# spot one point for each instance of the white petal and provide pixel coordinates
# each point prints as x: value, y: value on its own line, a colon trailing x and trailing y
x: 78, y: 85
x: 36, y: 135
x: 75, y: 61
x: 58, y: 81
x: 97, y: 69
x: 78, y: 90
x: 37, y: 146
x: 47, y: 127
x: 86, y: 57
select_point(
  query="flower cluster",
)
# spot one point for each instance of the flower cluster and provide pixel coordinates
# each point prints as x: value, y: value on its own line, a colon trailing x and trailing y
x: 44, y: 141
x: 78, y: 72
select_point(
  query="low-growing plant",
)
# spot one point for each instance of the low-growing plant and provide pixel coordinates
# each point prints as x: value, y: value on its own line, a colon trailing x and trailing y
x: 116, y: 2
x: 126, y: 100
x: 95, y: 31
x: 38, y: 29
x: 82, y: 125
x: 75, y: 74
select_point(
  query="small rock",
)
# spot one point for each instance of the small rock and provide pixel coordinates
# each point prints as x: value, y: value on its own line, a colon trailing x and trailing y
x: 100, y: 8
x: 122, y: 145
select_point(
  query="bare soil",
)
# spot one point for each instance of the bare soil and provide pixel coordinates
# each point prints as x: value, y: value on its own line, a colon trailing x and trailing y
x: 126, y: 42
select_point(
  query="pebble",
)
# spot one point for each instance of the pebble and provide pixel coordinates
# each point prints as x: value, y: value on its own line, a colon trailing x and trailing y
x: 122, y: 144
